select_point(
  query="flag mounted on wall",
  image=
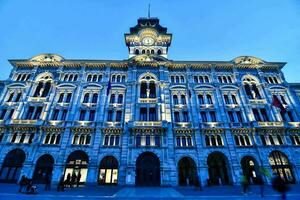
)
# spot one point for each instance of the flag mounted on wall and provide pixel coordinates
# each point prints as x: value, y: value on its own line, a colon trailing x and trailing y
x: 277, y: 103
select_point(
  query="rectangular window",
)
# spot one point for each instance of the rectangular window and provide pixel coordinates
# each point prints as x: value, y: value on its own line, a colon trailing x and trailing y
x: 176, y: 117
x: 64, y: 114
x: 38, y: 112
x: 82, y: 115
x: 203, y: 116
x: 256, y: 115
x: 226, y: 99
x: 11, y: 113
x: 143, y: 114
x: 264, y: 114
x: 290, y: 114
x: 152, y: 114
x: 213, y: 116
x: 185, y: 116
x: 92, y: 115
x: 110, y: 115
x: 239, y: 116
x: 29, y: 112
x: 209, y: 99
x: 119, y: 116
x: 117, y: 140
x: 178, y: 143
x: 231, y: 117
x: 234, y: 99
x: 3, y: 114
x: 55, y: 114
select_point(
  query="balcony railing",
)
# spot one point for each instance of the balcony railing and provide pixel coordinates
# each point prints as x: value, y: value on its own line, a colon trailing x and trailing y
x: 84, y: 123
x: 37, y: 99
x: 112, y: 124
x: 204, y: 106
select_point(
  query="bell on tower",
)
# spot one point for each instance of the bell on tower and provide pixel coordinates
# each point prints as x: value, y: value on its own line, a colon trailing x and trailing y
x: 148, y: 37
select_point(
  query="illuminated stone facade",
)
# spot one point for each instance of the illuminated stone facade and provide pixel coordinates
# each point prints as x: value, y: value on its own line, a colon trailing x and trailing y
x: 148, y: 120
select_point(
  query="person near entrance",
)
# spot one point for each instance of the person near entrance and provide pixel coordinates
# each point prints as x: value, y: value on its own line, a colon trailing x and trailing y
x: 48, y: 179
x: 73, y: 179
x: 78, y: 179
x: 244, y: 183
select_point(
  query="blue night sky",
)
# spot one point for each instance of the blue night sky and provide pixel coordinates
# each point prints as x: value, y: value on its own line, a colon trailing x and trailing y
x: 202, y: 30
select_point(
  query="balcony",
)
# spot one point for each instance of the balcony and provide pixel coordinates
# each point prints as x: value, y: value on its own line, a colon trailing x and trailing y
x: 182, y: 124
x: 258, y: 101
x: 84, y: 123
x: 239, y: 124
x: 26, y: 121
x: 147, y: 100
x: 90, y: 105
x: 37, y: 99
x: 206, y: 106
x: 232, y: 105
x: 112, y: 124
x: 148, y: 123
x: 211, y: 125
x: 293, y: 124
x: 268, y: 124
x: 55, y: 122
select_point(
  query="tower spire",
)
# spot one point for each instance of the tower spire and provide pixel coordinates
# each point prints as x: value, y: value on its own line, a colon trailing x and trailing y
x: 149, y: 10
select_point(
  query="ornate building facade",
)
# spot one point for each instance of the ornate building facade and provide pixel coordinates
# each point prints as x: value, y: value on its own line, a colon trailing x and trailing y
x: 148, y: 120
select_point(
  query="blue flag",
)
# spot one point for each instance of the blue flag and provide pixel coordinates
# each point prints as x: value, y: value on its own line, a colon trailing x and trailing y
x: 108, y: 88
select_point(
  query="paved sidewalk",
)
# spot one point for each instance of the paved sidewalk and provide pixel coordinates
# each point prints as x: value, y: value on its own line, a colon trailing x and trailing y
x: 10, y: 192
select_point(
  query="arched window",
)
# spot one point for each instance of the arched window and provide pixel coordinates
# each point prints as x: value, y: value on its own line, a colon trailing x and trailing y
x: 206, y: 79
x: 137, y: 52
x: 95, y: 78
x: 113, y: 79
x: 143, y: 51
x: 152, y: 90
x: 143, y: 90
x: 220, y: 141
x: 183, y: 99
x: 152, y: 51
x: 70, y: 78
x: 201, y: 79
x: 120, y: 98
x: 75, y: 77
x: 236, y: 139
x: 207, y: 142
x: 89, y: 78
x: 108, y: 172
x: 138, y: 140
x: 158, y: 51
x: 123, y: 79
x: 172, y: 79
x: 209, y: 99
x: 177, y: 79
x: 66, y: 77
x: 182, y: 79
x: 18, y: 97
x: 95, y: 98
x: 86, y: 98
x: 46, y: 89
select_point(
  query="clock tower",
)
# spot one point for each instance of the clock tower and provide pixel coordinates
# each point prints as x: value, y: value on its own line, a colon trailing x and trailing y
x: 149, y: 38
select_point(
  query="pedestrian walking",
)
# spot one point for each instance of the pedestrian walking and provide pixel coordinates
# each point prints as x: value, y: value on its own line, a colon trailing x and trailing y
x: 22, y: 183
x: 78, y: 179
x: 244, y: 183
x: 61, y: 184
x: 280, y: 186
x: 48, y: 182
x: 68, y: 180
x: 73, y: 179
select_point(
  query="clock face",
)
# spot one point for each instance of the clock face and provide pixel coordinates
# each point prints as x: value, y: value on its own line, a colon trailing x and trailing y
x: 148, y: 40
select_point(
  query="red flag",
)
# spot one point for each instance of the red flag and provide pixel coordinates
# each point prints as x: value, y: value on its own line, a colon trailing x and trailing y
x: 277, y: 103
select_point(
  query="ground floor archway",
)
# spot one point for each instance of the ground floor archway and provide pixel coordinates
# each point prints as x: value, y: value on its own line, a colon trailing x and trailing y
x: 12, y: 166
x: 281, y: 166
x: 218, y: 169
x: 108, y: 171
x: 76, y: 168
x: 250, y: 169
x: 147, y: 170
x: 187, y: 172
x: 43, y: 169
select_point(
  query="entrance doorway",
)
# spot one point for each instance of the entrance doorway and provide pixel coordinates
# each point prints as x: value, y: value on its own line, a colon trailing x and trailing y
x: 108, y: 173
x: 43, y: 168
x: 77, y: 167
x: 187, y: 172
x: 281, y: 166
x: 147, y: 170
x: 218, y: 169
x: 250, y: 169
x: 12, y: 166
